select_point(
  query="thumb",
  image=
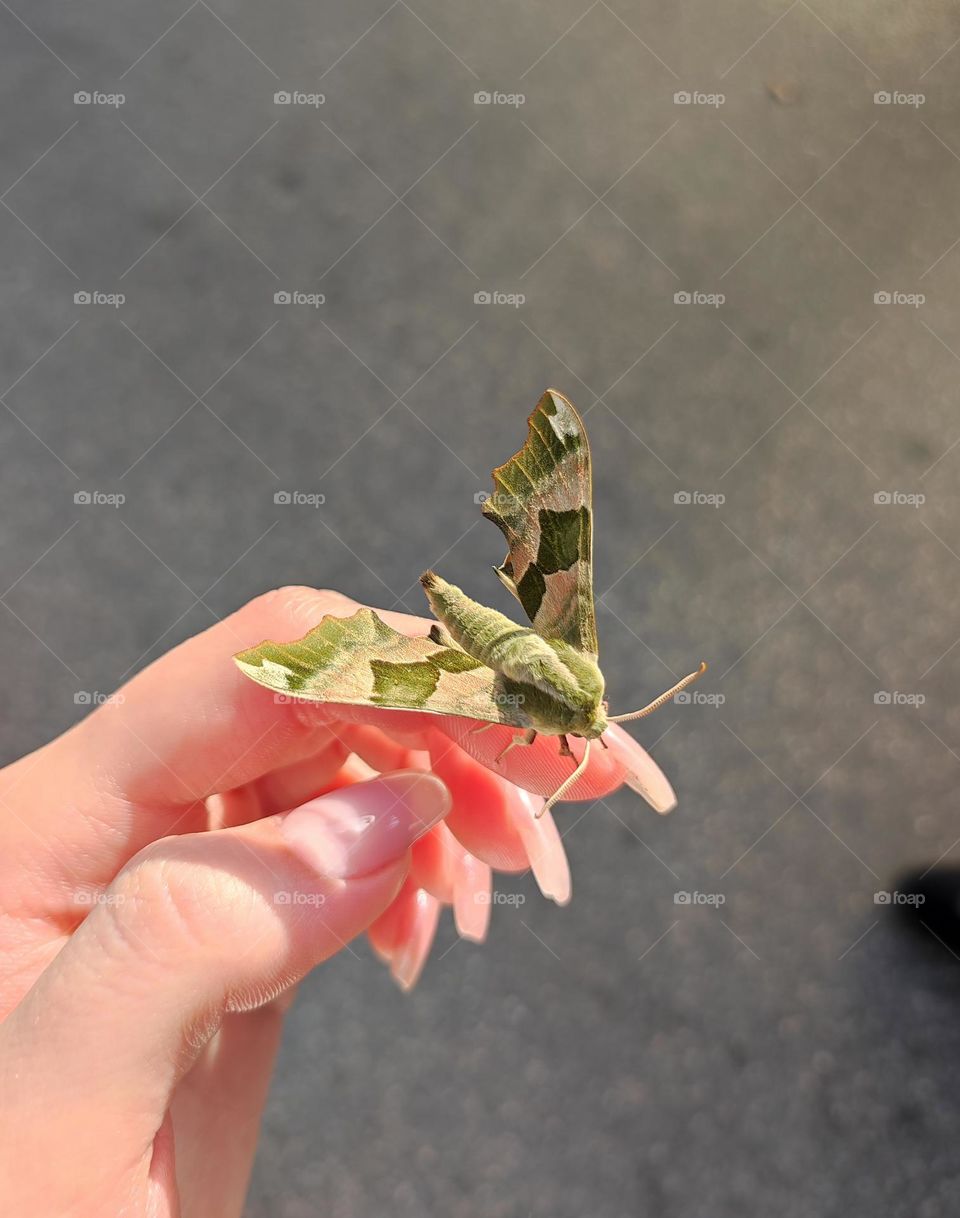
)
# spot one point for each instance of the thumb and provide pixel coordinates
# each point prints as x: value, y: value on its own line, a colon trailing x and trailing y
x: 193, y: 927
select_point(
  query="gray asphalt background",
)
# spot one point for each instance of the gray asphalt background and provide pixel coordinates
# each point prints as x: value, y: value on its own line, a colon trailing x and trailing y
x: 792, y: 1052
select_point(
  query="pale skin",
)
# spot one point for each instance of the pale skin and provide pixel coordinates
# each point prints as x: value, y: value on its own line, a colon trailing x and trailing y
x: 145, y: 962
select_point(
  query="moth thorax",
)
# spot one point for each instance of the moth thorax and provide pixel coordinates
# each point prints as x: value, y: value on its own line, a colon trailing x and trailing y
x: 567, y: 676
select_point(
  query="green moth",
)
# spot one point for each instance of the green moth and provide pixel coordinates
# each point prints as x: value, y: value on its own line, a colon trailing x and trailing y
x: 475, y: 662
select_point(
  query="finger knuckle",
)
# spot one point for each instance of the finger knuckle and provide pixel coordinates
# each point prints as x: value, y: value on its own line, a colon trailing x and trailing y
x: 177, y: 903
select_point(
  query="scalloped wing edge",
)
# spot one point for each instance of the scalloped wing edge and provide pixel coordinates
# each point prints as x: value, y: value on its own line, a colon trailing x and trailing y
x: 542, y: 504
x: 361, y: 661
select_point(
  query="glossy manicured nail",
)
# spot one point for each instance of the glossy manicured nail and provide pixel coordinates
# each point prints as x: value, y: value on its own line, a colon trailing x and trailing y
x: 358, y: 829
x: 411, y: 955
x: 541, y: 840
x: 642, y: 774
x: 472, y: 885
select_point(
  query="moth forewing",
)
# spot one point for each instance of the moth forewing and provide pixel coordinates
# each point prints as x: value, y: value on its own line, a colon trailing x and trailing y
x: 542, y: 503
x: 361, y: 661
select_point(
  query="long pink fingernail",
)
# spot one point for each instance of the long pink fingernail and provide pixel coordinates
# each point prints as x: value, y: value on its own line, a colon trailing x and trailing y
x: 472, y: 883
x: 358, y: 829
x: 643, y: 775
x: 541, y: 840
x: 411, y: 956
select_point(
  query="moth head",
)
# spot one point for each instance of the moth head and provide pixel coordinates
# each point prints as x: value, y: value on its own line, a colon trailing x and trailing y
x: 588, y: 717
x: 594, y: 725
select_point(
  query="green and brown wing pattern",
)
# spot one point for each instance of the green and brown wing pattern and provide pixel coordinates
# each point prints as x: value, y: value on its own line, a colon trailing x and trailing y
x: 542, y: 503
x: 362, y: 661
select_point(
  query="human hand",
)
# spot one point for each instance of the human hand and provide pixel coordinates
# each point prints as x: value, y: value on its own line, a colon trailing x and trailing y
x: 174, y: 864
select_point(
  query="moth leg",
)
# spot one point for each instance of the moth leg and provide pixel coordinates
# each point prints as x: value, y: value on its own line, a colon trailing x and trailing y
x: 525, y: 738
x: 482, y: 727
x: 565, y: 747
x: 565, y: 786
x: 604, y: 743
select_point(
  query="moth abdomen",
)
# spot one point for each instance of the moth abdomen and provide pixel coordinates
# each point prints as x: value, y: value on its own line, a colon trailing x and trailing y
x: 479, y: 630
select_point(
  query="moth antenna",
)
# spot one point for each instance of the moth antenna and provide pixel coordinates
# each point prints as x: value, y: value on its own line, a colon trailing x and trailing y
x: 664, y: 697
x: 567, y: 783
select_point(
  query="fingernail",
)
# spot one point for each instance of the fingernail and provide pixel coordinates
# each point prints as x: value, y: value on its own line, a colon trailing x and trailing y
x: 381, y: 953
x: 409, y: 959
x: 472, y: 883
x: 541, y: 840
x: 642, y: 775
x: 358, y: 829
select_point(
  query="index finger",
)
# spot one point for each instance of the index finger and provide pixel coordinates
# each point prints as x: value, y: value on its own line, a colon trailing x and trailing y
x: 191, y: 725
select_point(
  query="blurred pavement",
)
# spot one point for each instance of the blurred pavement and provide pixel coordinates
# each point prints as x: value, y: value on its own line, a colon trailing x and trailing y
x: 790, y: 1051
